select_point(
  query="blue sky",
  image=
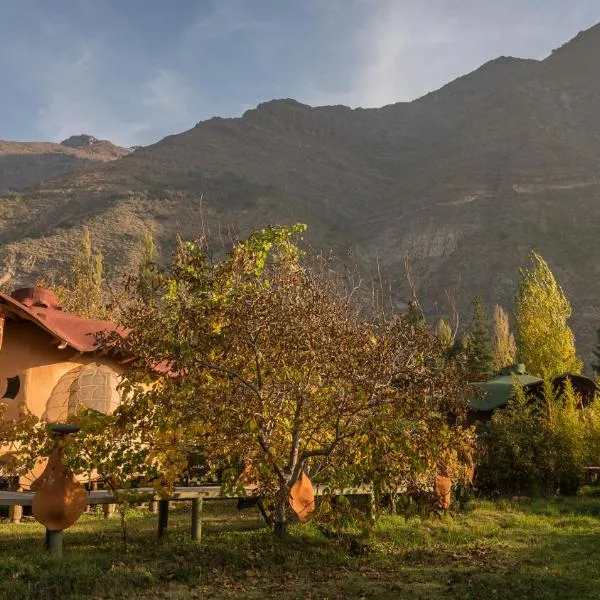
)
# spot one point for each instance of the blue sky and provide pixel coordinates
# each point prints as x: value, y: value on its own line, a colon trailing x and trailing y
x: 134, y: 71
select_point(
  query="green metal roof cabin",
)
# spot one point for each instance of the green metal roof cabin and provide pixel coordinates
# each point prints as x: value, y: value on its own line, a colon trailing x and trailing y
x: 497, y: 391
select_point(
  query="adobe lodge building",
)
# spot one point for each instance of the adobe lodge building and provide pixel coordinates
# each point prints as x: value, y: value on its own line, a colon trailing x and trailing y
x: 50, y: 362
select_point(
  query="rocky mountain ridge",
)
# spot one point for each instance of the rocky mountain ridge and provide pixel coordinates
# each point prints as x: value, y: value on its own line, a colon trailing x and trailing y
x: 465, y: 180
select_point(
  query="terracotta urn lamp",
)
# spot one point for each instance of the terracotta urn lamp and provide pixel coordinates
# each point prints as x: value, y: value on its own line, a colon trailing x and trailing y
x: 59, y: 498
x: 302, y: 498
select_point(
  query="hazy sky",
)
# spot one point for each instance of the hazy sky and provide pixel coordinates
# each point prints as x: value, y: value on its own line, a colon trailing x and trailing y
x: 134, y: 71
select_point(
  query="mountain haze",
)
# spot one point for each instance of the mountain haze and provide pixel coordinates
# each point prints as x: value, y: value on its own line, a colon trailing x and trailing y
x: 465, y: 180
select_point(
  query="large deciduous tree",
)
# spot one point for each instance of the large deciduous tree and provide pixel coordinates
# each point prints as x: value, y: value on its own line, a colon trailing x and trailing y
x: 273, y: 366
x: 546, y: 343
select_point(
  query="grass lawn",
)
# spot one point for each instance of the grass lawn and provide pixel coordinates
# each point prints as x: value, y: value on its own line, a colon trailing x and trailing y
x: 526, y: 549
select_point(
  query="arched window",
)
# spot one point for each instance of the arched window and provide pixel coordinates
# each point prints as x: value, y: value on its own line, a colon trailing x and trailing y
x: 90, y: 386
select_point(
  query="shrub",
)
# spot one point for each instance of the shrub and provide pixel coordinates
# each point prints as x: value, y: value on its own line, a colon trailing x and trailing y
x: 539, y: 447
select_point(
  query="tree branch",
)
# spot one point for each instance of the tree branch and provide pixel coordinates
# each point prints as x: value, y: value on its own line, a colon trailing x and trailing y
x: 235, y: 374
x: 257, y: 363
x: 267, y: 452
x: 296, y: 433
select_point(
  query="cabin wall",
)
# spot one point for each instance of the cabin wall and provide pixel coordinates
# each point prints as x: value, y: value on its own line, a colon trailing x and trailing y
x: 32, y: 355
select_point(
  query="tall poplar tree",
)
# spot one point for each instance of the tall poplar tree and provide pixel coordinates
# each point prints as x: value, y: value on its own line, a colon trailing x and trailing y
x: 82, y: 289
x: 545, y: 341
x: 504, y: 348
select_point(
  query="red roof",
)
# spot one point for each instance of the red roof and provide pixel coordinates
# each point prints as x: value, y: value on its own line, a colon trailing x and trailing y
x: 40, y: 306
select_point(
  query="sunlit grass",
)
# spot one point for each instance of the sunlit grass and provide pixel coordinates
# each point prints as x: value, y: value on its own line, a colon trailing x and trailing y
x: 539, y: 549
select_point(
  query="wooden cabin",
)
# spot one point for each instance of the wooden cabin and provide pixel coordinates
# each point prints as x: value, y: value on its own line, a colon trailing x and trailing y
x: 50, y: 361
x: 495, y: 393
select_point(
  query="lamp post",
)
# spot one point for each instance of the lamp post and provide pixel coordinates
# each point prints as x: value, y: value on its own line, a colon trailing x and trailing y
x: 59, y: 499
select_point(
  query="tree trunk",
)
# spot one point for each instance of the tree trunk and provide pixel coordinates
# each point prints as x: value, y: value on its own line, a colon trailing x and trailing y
x: 15, y: 513
x: 280, y: 512
x: 393, y: 502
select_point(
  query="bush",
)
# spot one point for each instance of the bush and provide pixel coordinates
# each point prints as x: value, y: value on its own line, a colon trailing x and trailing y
x: 539, y: 448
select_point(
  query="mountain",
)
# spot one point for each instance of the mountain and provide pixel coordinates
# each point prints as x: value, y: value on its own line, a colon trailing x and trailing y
x: 465, y: 180
x: 23, y: 164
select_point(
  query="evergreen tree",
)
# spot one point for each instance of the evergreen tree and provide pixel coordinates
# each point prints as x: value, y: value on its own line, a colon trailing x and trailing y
x: 504, y: 348
x: 415, y: 315
x: 479, y: 352
x: 460, y: 347
x: 546, y: 342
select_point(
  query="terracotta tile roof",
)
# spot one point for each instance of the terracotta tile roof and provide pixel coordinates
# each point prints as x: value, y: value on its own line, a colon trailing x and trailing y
x: 39, y: 306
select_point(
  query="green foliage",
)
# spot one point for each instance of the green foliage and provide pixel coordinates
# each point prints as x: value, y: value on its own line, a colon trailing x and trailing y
x: 546, y: 343
x: 478, y: 353
x: 459, y: 348
x: 415, y: 315
x: 103, y: 446
x: 106, y: 449
x: 270, y: 367
x: 82, y: 290
x: 147, y: 267
x: 445, y: 335
x: 277, y: 371
x: 23, y: 441
x: 539, y: 447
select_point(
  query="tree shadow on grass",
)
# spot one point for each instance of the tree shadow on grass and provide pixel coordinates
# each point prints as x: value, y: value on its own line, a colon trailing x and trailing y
x: 539, y: 551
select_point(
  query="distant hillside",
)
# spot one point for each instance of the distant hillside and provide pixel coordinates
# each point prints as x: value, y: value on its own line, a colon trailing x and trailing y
x: 24, y: 164
x: 465, y: 180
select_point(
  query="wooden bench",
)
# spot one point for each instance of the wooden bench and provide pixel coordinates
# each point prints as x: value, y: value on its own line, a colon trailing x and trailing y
x: 194, y: 494
x: 591, y: 473
x: 104, y: 497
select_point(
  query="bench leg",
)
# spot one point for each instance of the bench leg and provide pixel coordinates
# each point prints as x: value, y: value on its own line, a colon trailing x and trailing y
x: 153, y: 507
x: 163, y: 517
x: 92, y: 487
x: 197, y: 519
x: 15, y: 514
x: 109, y: 510
x: 54, y: 542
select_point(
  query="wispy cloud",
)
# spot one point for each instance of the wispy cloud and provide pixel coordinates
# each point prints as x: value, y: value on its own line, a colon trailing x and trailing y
x: 404, y: 49
x: 224, y: 18
x: 74, y: 97
x: 111, y: 70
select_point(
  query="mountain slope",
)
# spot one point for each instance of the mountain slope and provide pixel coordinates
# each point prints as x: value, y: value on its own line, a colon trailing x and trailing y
x: 466, y: 180
x: 23, y: 164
